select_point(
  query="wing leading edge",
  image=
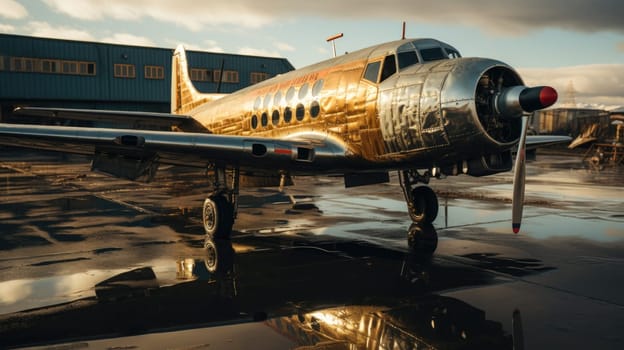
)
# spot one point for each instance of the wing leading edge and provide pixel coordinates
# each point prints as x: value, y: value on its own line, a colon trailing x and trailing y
x: 179, y: 148
x: 134, y: 120
x: 536, y: 141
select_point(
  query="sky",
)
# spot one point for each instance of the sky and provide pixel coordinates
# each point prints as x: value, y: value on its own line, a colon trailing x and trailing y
x: 576, y: 46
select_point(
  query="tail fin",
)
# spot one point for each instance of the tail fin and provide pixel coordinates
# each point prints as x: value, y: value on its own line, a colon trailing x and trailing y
x: 184, y: 96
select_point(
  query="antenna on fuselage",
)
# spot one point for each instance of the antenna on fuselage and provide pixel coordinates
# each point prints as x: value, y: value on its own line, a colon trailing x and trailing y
x: 332, y: 38
x: 403, y: 32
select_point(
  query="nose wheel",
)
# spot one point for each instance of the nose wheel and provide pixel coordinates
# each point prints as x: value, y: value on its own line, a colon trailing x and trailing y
x: 422, y: 202
x: 424, y: 208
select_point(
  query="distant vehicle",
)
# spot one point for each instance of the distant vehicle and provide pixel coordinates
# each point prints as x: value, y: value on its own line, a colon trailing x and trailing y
x: 606, y: 150
x: 414, y: 106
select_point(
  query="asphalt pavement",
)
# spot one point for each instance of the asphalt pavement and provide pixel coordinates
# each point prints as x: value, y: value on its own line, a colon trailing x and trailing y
x: 87, y: 260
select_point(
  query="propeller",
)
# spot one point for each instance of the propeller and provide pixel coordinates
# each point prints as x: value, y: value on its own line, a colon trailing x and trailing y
x: 512, y: 102
x: 517, y: 201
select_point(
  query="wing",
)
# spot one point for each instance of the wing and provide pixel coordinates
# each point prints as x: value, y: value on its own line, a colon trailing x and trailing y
x: 133, y: 120
x: 535, y: 141
x: 128, y: 149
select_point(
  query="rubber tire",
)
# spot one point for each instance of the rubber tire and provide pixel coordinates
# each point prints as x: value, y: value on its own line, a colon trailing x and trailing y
x: 218, y: 217
x: 422, y: 239
x: 211, y: 259
x: 424, y: 209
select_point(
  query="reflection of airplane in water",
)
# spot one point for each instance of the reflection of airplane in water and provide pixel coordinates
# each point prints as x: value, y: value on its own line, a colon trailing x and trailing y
x: 414, y: 106
x: 429, y: 322
x: 337, y: 292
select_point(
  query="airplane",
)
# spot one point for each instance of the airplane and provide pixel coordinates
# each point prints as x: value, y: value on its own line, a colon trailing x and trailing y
x: 414, y: 106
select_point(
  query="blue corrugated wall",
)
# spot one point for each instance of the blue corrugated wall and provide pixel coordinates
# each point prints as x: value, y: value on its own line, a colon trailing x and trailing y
x: 104, y: 90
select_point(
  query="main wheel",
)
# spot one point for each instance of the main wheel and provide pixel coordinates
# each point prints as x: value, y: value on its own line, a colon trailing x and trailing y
x: 219, y: 256
x: 424, y: 208
x: 218, y: 217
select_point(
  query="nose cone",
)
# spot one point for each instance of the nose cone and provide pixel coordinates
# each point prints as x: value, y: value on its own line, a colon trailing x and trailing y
x: 548, y: 96
x: 532, y: 99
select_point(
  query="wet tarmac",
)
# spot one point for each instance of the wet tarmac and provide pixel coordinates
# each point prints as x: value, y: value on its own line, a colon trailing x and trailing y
x: 89, y: 261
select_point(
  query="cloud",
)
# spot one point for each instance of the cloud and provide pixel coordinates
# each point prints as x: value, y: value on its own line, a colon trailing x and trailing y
x: 95, y: 10
x: 43, y: 29
x: 597, y: 84
x: 193, y: 15
x: 212, y: 46
x: 284, y: 46
x: 496, y: 16
x: 207, y: 45
x: 129, y: 39
x: 12, y: 10
x: 7, y: 28
x: 258, y: 52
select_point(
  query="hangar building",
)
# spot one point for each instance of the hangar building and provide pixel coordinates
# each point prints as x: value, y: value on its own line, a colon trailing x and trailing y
x: 47, y: 72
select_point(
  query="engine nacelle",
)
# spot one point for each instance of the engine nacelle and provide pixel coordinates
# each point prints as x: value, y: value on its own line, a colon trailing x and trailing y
x: 465, y: 110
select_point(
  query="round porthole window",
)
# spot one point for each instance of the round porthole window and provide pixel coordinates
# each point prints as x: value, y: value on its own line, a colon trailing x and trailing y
x: 254, y: 121
x: 317, y: 87
x: 315, y: 109
x: 257, y: 103
x: 300, y: 112
x: 277, y: 98
x: 290, y: 93
x: 287, y: 115
x: 303, y: 91
x: 275, y: 117
x: 267, y: 100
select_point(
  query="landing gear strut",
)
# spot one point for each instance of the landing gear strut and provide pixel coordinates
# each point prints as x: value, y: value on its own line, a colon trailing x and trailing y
x: 220, y: 208
x: 422, y: 202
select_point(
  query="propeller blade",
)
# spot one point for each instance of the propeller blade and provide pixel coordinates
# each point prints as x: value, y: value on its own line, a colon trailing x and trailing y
x: 519, y: 178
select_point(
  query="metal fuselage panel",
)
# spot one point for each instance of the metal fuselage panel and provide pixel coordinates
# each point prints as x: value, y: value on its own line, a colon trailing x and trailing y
x: 429, y: 116
x: 422, y: 116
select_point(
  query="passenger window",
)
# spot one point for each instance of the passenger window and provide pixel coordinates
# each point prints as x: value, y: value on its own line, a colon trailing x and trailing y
x: 275, y: 117
x: 372, y: 71
x: 258, y: 102
x: 303, y: 91
x: 287, y: 115
x: 317, y: 87
x: 315, y: 109
x: 277, y: 99
x: 300, y: 112
x: 264, y: 119
x: 389, y: 67
x: 267, y: 100
x: 407, y: 59
x: 290, y: 93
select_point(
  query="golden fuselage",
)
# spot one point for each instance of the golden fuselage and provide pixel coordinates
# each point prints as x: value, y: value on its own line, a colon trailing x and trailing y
x: 417, y: 115
x: 325, y: 99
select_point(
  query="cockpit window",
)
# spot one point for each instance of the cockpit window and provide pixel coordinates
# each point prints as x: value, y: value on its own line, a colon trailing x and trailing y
x: 452, y: 53
x: 407, y: 59
x: 389, y: 67
x: 432, y: 54
x: 372, y: 71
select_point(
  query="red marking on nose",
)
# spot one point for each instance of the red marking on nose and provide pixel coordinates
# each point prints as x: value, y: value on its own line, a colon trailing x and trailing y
x: 548, y: 96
